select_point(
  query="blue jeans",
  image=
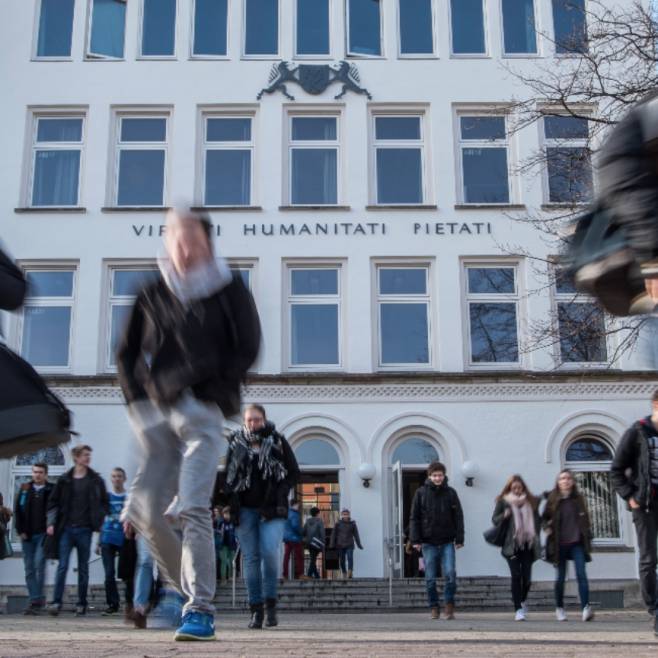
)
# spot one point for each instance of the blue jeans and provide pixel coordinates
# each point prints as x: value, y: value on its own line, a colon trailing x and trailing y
x: 574, y: 552
x: 346, y: 555
x: 35, y: 567
x: 80, y: 539
x: 432, y: 553
x: 260, y: 542
x: 143, y: 575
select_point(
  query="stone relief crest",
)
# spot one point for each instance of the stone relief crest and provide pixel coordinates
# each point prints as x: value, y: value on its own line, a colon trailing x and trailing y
x: 314, y: 79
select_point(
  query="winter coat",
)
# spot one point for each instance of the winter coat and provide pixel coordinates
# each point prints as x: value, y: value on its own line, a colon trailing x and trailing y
x: 551, y: 521
x: 23, y: 506
x: 509, y: 547
x: 293, y: 530
x: 313, y: 528
x: 59, y: 502
x: 206, y: 347
x: 632, y: 455
x: 275, y: 498
x: 345, y: 534
x: 436, y: 515
x: 12, y: 284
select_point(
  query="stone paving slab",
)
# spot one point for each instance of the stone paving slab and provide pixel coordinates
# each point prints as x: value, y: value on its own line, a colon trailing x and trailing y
x: 619, y: 634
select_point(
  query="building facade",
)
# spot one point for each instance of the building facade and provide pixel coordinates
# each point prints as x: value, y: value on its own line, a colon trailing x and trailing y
x: 363, y: 171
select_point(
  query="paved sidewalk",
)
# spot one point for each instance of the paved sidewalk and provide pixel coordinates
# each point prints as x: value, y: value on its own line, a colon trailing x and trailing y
x: 409, y: 635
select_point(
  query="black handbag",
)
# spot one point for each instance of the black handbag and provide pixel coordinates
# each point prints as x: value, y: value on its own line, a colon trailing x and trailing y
x: 497, y: 533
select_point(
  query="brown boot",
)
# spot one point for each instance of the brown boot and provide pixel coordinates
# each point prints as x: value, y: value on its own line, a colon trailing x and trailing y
x: 450, y: 610
x: 349, y: 574
x: 434, y: 612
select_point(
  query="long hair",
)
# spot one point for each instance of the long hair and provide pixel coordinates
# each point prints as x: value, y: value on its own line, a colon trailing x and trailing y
x: 556, y: 489
x: 508, y: 487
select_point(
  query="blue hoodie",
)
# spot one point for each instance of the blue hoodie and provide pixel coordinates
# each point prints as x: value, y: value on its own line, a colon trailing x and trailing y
x: 293, y: 529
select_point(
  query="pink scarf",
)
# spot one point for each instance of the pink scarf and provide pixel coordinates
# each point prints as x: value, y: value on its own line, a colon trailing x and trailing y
x: 524, y: 519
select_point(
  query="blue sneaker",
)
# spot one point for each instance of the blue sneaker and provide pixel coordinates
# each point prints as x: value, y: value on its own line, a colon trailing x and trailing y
x: 196, y: 626
x: 168, y: 610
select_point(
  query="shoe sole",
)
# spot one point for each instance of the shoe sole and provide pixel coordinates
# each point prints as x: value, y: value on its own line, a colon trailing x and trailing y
x: 186, y: 637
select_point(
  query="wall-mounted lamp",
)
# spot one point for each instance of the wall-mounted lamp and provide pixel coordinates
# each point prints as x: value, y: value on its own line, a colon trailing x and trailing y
x: 469, y: 471
x: 366, y: 473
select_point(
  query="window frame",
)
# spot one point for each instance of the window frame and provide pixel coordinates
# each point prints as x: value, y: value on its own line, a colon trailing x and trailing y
x: 70, y: 302
x: 237, y: 112
x: 552, y: 142
x: 192, y: 54
x: 327, y: 56
x: 411, y: 298
x: 338, y: 264
x: 517, y: 298
x: 538, y: 35
x: 428, y: 190
x: 35, y: 32
x: 596, y: 467
x: 509, y: 144
x: 88, y: 55
x: 118, y: 114
x: 435, y: 37
x: 53, y: 113
x: 487, y: 49
x: 140, y: 35
x: 319, y: 112
x: 243, y: 36
x: 382, y: 41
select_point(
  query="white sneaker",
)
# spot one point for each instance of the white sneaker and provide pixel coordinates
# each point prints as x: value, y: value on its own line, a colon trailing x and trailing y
x: 559, y: 614
x: 524, y: 607
x: 588, y: 613
x: 519, y: 615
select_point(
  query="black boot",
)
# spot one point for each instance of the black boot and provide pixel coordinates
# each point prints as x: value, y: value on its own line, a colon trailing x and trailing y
x: 256, y: 615
x: 270, y: 613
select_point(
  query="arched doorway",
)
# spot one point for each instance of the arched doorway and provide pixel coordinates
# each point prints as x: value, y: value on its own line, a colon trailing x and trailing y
x: 410, y: 457
x: 320, y: 465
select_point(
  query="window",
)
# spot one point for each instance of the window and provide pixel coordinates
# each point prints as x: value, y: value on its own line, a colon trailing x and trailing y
x: 568, y: 162
x: 580, y: 323
x: 125, y: 283
x: 364, y: 27
x: 55, y: 28
x: 261, y: 27
x: 46, y: 321
x: 314, y: 316
x: 244, y: 271
x: 313, y: 160
x: 158, y: 28
x: 106, y: 32
x: 467, y: 22
x: 570, y: 26
x: 141, y: 158
x: 403, y: 315
x: 312, y: 26
x: 483, y: 149
x: 415, y: 451
x: 21, y: 473
x: 317, y: 452
x: 210, y: 28
x: 590, y: 458
x: 519, y: 34
x: 228, y: 155
x: 416, y: 27
x: 399, y: 159
x: 492, y: 301
x: 56, y: 155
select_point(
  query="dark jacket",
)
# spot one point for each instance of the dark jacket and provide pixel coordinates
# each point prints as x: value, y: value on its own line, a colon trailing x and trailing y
x: 12, y: 284
x: 508, y: 548
x: 275, y: 494
x: 631, y: 466
x: 436, y: 515
x: 627, y: 175
x: 551, y: 521
x: 207, y: 347
x: 313, y: 528
x: 293, y: 530
x: 345, y: 534
x: 23, y: 506
x: 59, y: 502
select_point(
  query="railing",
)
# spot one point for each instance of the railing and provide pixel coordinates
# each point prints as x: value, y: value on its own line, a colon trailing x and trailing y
x: 238, y: 554
x: 390, y: 544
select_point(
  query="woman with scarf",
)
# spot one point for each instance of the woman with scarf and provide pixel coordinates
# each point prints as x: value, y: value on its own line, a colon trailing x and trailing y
x: 517, y: 508
x: 261, y: 469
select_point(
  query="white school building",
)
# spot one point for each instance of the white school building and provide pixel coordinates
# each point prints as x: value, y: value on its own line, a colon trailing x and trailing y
x: 371, y: 198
